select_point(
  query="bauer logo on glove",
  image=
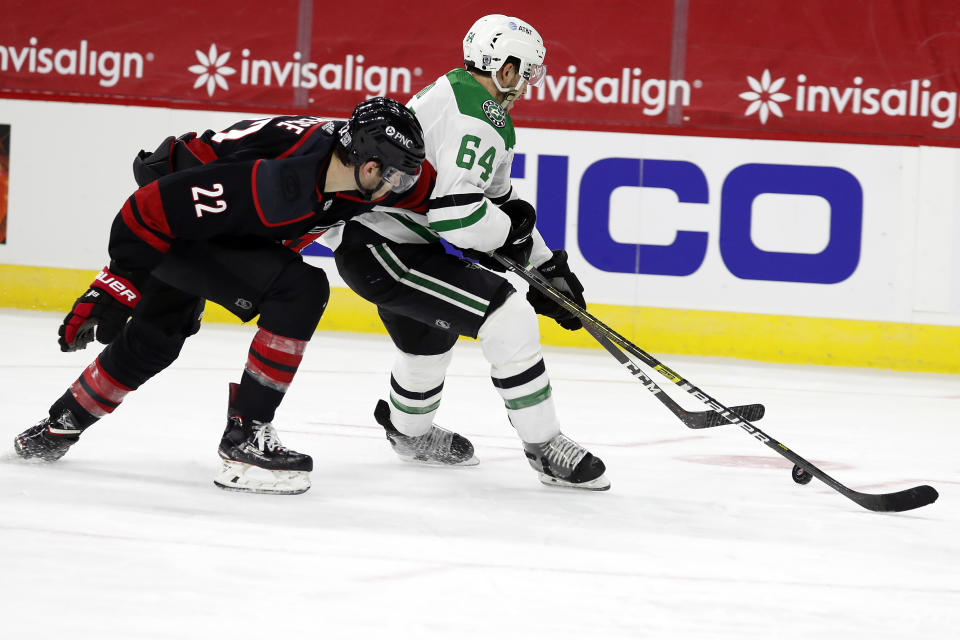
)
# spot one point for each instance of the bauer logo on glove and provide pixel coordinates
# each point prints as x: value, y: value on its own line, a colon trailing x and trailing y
x: 121, y: 289
x: 96, y: 314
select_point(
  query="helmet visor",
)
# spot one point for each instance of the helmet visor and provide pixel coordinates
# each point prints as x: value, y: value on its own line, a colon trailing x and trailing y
x: 398, y: 180
x: 537, y: 73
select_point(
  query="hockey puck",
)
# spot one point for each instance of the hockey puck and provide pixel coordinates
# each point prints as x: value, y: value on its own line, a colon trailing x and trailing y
x: 801, y: 476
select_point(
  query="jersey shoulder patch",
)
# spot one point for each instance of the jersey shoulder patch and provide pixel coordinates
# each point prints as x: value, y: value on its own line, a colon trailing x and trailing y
x: 284, y: 188
x: 475, y: 101
x: 425, y: 89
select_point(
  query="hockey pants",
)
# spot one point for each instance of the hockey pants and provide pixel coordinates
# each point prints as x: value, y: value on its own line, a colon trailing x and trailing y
x: 262, y: 278
x: 427, y: 298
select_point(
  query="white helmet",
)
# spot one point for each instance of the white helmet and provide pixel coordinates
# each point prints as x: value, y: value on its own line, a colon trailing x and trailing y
x: 494, y: 38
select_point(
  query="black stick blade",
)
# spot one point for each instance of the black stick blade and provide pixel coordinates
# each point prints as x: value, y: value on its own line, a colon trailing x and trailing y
x: 900, y: 501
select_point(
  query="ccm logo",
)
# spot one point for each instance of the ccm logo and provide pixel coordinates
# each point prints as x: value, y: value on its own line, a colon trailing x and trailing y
x: 122, y: 291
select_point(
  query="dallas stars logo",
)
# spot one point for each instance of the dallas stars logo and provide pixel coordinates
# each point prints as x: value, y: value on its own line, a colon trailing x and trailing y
x: 495, y: 113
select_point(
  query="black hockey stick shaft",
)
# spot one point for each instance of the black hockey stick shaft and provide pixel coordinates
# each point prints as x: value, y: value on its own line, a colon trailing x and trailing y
x: 693, y: 419
x: 898, y: 501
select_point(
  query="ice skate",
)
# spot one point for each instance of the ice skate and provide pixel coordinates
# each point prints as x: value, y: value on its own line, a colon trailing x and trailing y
x: 49, y: 439
x: 562, y: 462
x: 436, y: 447
x: 255, y: 461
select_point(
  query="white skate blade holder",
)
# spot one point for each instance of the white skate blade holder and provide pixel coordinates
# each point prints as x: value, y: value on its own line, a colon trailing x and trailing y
x: 597, y: 484
x: 247, y: 478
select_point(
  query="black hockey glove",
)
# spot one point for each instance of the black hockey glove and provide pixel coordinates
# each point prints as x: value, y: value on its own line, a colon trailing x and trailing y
x: 519, y: 244
x: 556, y: 271
x: 103, y: 309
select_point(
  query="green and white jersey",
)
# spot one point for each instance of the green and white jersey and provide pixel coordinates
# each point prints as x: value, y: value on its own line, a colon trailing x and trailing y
x: 470, y: 143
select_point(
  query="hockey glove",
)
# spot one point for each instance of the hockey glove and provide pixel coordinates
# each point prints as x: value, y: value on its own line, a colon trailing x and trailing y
x: 103, y: 310
x: 556, y: 271
x: 519, y: 243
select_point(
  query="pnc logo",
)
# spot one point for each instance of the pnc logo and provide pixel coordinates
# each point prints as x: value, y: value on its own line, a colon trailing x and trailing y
x: 399, y: 137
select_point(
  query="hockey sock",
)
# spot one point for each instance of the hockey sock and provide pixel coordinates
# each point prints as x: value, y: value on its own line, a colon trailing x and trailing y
x: 271, y: 365
x: 416, y: 384
x: 143, y: 349
x: 510, y: 340
x: 93, y: 395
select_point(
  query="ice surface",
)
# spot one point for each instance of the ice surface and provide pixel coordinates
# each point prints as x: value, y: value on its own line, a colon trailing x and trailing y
x: 703, y: 534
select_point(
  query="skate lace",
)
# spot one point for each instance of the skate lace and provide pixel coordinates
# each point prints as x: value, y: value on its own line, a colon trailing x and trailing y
x: 564, y: 452
x: 266, y: 438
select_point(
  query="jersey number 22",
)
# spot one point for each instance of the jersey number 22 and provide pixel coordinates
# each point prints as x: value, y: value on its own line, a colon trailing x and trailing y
x: 219, y: 206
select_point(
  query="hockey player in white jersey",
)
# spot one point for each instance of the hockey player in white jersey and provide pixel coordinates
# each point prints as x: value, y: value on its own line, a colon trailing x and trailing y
x: 427, y: 297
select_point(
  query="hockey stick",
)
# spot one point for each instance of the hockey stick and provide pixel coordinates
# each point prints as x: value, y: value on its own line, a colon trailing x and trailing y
x: 693, y: 419
x: 896, y: 501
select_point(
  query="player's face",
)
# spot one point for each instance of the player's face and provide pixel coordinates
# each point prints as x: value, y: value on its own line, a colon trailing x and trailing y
x: 510, y: 78
x: 371, y: 178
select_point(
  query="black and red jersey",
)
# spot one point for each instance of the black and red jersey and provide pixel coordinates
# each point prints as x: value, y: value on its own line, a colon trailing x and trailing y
x: 256, y: 178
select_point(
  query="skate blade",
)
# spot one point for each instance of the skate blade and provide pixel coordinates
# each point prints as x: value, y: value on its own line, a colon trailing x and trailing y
x: 597, y: 484
x: 15, y: 455
x: 472, y: 462
x: 25, y: 456
x: 234, y: 477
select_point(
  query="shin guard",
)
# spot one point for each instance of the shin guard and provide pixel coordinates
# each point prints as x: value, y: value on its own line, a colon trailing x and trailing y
x: 271, y: 365
x: 416, y: 385
x: 97, y: 393
x: 510, y: 340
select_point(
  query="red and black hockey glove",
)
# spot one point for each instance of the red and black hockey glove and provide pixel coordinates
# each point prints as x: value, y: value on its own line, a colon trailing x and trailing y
x: 104, y: 309
x: 556, y: 271
x: 519, y: 243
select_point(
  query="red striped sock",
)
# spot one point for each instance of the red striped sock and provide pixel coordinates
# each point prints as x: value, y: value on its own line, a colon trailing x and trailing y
x: 273, y: 359
x: 97, y: 392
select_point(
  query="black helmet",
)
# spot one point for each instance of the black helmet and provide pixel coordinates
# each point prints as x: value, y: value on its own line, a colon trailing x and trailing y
x: 384, y: 130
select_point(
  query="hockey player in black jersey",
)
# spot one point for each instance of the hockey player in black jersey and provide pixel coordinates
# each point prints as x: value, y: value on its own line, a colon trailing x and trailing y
x: 209, y: 222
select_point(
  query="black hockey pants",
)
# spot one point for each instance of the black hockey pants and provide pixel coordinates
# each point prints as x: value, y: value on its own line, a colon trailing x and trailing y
x: 426, y: 297
x: 248, y: 277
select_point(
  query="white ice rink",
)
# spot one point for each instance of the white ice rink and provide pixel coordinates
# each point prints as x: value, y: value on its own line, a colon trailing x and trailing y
x: 703, y: 534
